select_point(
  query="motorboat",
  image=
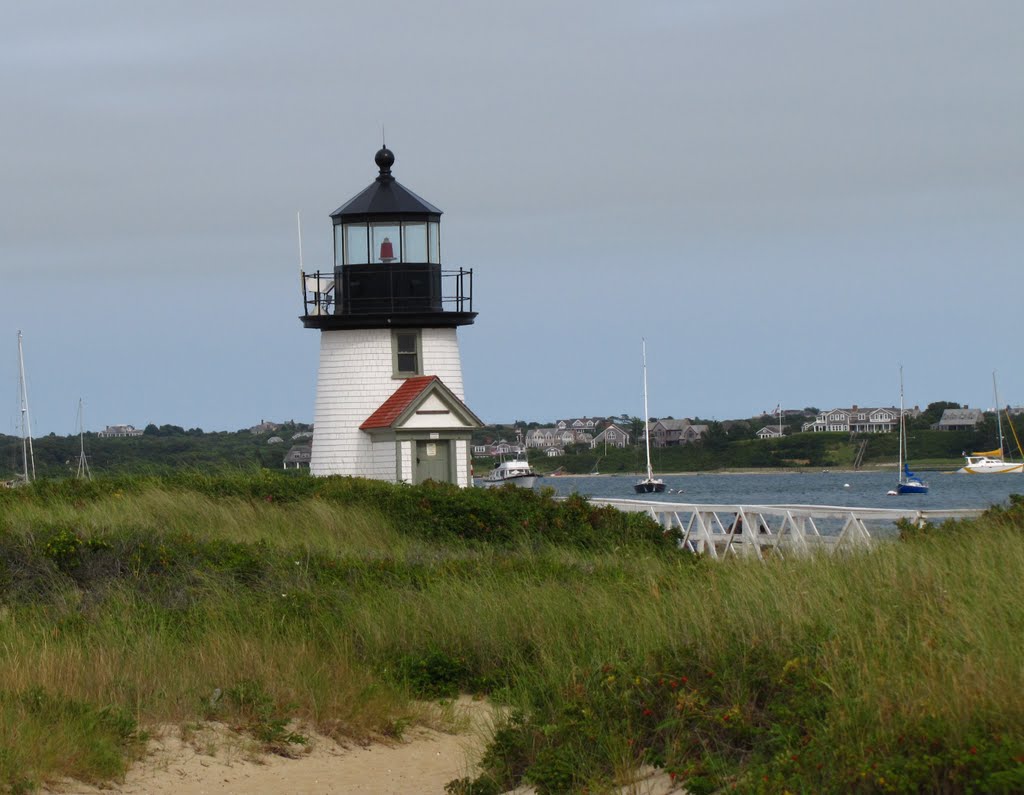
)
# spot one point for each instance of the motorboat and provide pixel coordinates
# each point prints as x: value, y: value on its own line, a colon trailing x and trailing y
x: 989, y: 463
x: 515, y: 471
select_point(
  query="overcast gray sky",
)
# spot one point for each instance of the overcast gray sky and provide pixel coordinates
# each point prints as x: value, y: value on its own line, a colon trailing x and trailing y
x: 787, y: 198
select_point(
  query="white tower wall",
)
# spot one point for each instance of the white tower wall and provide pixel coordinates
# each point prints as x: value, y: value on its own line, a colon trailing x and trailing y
x: 354, y: 378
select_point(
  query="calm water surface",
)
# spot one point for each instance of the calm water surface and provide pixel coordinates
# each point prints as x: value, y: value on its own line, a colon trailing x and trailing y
x: 860, y: 489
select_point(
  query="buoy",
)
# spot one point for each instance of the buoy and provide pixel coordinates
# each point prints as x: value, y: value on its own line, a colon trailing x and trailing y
x: 846, y: 485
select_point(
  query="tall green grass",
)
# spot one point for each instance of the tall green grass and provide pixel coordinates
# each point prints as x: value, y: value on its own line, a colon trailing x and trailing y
x: 260, y: 599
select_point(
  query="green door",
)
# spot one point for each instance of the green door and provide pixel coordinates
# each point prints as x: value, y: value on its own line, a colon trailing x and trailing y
x: 433, y: 462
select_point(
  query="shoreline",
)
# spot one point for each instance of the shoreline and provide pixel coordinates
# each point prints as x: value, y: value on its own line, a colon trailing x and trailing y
x: 872, y: 469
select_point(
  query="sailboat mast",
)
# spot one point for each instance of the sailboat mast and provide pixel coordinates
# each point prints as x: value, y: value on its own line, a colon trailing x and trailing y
x: 999, y: 419
x: 83, y: 462
x: 28, y: 456
x: 903, y: 431
x: 647, y: 417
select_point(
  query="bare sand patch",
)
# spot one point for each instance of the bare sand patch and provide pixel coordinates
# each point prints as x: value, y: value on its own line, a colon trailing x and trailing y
x: 213, y: 760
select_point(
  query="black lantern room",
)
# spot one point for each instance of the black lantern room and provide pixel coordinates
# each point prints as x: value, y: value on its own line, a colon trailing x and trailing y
x: 387, y: 264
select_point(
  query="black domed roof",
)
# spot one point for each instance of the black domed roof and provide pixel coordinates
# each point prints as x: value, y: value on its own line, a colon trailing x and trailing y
x: 385, y: 197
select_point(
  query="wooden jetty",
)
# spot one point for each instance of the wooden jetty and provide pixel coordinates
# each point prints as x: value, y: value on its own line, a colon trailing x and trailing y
x: 779, y: 531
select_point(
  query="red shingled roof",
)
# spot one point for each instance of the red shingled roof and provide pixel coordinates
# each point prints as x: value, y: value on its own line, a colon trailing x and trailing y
x: 392, y: 408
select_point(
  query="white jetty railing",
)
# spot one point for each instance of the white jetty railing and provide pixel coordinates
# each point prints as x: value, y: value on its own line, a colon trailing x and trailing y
x: 776, y: 531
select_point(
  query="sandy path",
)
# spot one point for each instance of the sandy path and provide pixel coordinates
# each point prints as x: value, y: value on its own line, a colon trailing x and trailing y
x: 214, y: 761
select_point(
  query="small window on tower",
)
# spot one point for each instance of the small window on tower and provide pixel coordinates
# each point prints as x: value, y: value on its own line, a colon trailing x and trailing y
x: 406, y: 345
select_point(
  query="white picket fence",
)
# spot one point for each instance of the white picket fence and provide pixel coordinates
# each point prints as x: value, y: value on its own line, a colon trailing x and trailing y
x: 778, y: 531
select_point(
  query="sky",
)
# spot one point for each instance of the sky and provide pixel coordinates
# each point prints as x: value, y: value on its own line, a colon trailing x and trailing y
x: 787, y: 198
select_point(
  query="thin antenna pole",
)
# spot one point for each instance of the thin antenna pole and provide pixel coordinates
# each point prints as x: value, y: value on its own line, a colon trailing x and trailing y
x: 27, y: 453
x: 302, y: 268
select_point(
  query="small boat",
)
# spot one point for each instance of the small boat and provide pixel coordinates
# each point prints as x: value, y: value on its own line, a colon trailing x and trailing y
x: 992, y: 462
x: 909, y: 483
x: 650, y: 484
x: 515, y: 471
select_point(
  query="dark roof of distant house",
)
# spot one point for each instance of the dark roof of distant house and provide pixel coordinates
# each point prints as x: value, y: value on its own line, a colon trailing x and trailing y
x: 300, y: 453
x: 392, y: 408
x: 961, y: 416
x: 385, y: 196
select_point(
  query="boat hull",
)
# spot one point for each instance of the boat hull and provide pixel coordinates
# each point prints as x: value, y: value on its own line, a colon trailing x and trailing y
x: 649, y: 487
x: 911, y: 488
x: 988, y: 465
x: 523, y: 481
x: 991, y: 469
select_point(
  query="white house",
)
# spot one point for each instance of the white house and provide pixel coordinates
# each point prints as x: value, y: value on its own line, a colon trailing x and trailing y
x: 113, y: 431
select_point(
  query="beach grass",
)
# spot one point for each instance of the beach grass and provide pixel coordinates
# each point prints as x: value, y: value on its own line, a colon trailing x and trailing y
x: 271, y: 603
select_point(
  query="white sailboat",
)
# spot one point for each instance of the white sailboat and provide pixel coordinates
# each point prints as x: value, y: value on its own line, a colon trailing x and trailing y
x: 992, y: 462
x: 908, y: 483
x: 650, y: 484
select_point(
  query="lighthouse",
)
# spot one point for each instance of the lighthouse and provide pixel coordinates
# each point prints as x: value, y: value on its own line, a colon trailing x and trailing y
x: 389, y: 392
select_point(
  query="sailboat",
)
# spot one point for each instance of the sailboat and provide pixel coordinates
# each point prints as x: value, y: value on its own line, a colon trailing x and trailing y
x: 650, y: 484
x: 83, y: 472
x: 28, y: 458
x: 992, y: 461
x: 909, y: 483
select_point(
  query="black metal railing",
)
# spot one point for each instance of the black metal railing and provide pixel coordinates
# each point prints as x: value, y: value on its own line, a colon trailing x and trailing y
x: 377, y: 290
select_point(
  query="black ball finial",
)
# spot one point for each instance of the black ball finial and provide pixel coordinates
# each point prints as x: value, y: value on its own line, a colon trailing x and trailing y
x: 384, y: 159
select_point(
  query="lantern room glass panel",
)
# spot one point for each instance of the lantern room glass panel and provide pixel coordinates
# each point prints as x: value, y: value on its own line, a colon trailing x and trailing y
x: 434, y: 242
x: 385, y: 243
x: 414, y: 247
x: 356, y: 251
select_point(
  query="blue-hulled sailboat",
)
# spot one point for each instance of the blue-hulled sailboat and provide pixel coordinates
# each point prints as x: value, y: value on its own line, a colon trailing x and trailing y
x: 909, y: 483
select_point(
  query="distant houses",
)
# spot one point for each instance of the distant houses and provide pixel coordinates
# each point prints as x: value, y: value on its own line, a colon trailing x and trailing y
x: 857, y: 420
x: 552, y: 440
x: 672, y: 433
x: 265, y: 426
x: 497, y: 449
x: 541, y: 438
x: 116, y: 431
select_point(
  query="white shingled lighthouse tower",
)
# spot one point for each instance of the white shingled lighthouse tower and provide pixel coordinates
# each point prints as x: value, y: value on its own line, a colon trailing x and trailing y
x: 389, y: 395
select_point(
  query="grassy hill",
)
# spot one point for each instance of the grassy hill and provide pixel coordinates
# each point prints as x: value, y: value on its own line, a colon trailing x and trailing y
x: 263, y: 599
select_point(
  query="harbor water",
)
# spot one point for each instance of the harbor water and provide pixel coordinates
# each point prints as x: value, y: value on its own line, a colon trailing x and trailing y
x: 855, y: 489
